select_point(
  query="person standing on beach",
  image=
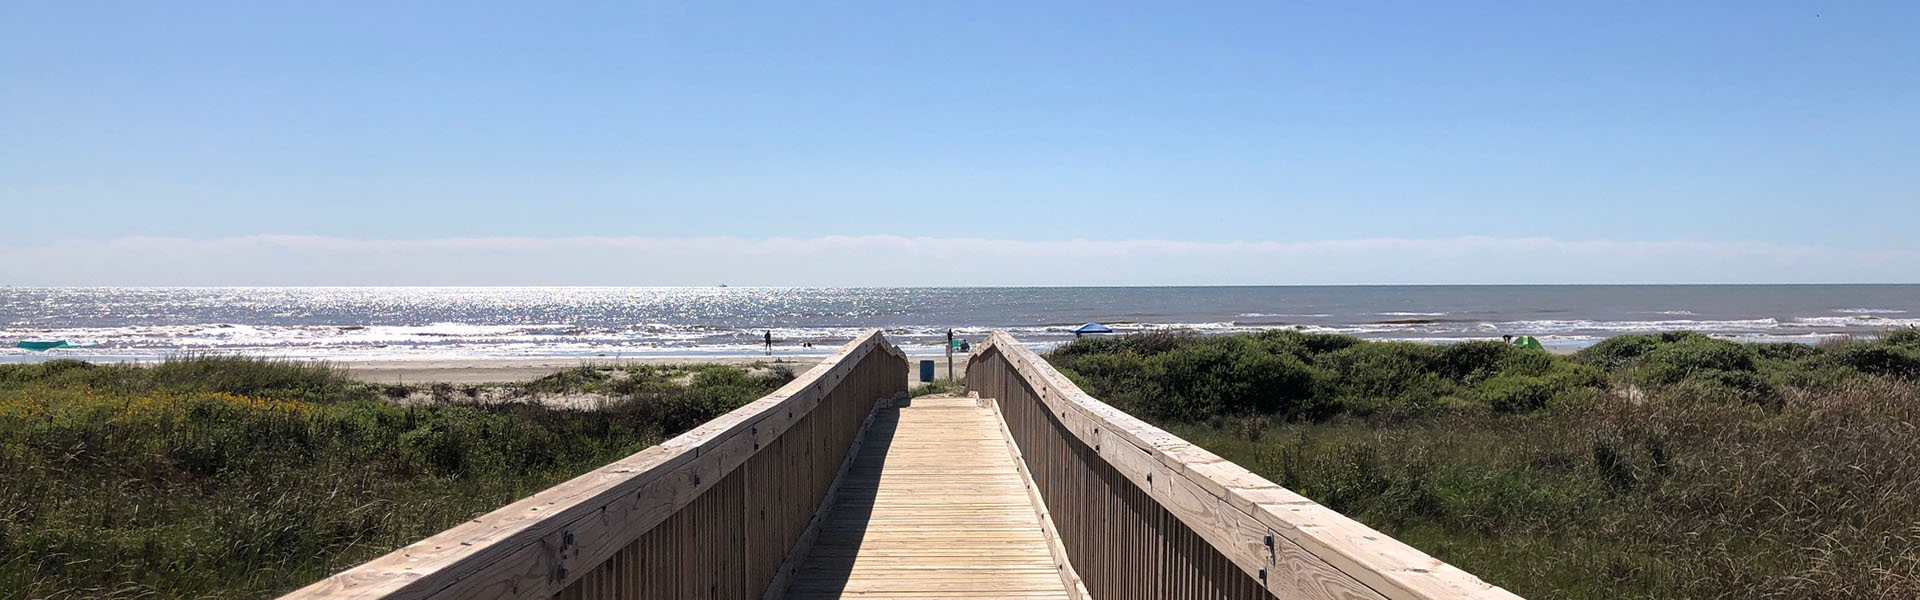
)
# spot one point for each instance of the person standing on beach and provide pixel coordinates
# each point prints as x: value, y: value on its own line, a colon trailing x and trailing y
x: 769, y: 342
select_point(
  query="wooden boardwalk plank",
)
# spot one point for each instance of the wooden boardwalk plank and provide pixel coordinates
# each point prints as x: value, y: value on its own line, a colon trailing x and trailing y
x: 933, y: 507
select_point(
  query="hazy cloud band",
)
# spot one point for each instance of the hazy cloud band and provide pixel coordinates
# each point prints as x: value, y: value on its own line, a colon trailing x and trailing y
x: 897, y: 260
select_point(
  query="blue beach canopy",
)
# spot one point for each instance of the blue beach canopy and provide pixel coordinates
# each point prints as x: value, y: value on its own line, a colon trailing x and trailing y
x: 1092, y: 328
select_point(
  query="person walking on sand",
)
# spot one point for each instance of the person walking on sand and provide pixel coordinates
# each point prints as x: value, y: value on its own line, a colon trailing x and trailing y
x: 769, y: 342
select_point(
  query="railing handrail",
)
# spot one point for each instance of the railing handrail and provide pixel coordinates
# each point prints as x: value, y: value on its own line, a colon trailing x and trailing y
x: 1232, y: 508
x: 538, y: 545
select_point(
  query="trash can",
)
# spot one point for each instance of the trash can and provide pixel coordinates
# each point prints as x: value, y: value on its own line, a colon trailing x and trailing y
x: 926, y: 371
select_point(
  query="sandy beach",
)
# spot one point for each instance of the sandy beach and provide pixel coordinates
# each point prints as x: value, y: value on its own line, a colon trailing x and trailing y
x: 506, y: 370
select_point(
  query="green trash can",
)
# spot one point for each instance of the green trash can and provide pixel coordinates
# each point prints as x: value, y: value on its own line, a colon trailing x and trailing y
x: 926, y: 371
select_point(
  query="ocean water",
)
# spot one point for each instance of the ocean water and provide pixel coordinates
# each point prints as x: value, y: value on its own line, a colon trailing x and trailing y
x: 437, y: 322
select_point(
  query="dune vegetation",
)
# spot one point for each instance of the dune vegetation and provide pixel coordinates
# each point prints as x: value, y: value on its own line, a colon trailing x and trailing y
x: 1653, y: 466
x: 1648, y: 466
x: 220, y: 477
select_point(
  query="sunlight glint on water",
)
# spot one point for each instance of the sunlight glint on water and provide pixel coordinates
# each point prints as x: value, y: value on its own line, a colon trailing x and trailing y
x: 356, y: 323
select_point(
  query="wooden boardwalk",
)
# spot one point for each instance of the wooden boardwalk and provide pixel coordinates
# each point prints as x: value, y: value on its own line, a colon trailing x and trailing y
x: 812, y: 492
x: 933, y: 507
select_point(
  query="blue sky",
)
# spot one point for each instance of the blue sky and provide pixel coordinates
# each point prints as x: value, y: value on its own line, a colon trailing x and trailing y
x: 156, y: 143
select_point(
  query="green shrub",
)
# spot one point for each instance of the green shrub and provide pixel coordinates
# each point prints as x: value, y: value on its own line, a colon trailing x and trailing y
x: 1698, y: 367
x: 1321, y: 343
x: 1112, y: 376
x: 1225, y: 376
x: 1719, y: 386
x: 1516, y: 393
x: 1088, y: 345
x: 1520, y: 392
x: 1886, y: 359
x: 1674, y: 362
x: 644, y: 379
x: 1618, y: 351
x: 1377, y: 374
x: 1816, y: 375
x: 1908, y: 336
x: 1143, y: 344
x: 1193, y: 379
x: 779, y: 375
x: 1304, y: 345
x: 18, y: 374
x: 1193, y: 384
x: 577, y: 379
x: 721, y: 377
x: 1296, y: 375
x: 1468, y: 363
x: 1088, y: 385
x: 1783, y: 351
x: 689, y: 409
x: 1537, y: 362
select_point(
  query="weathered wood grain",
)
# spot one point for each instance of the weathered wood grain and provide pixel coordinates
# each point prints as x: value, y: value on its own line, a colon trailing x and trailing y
x: 790, y: 564
x: 1040, y: 492
x: 934, y: 506
x: 1202, y: 513
x: 1076, y: 589
x: 740, y: 480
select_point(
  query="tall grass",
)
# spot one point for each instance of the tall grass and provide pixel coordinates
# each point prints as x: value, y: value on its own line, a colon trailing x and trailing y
x: 1660, y: 466
x: 299, y: 380
x: 231, y: 477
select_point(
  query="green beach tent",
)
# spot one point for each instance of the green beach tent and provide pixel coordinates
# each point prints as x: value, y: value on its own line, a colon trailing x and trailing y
x: 1527, y: 341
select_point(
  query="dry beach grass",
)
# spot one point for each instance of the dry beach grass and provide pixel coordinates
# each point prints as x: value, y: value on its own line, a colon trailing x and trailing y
x: 216, y: 477
x: 1662, y: 466
x: 1692, y: 468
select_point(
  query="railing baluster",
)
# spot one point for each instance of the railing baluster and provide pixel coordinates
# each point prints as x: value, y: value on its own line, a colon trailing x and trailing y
x: 709, y: 514
x: 1179, y: 523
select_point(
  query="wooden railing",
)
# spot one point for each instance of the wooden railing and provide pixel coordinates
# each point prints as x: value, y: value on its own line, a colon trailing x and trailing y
x: 712, y: 513
x: 724, y: 510
x: 1144, y: 514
